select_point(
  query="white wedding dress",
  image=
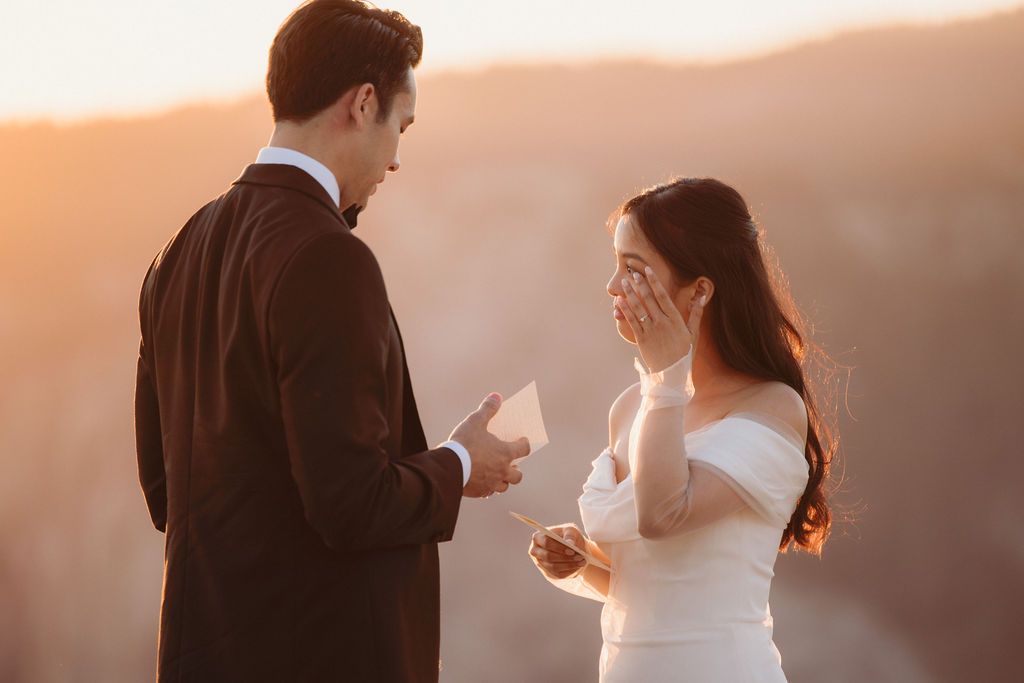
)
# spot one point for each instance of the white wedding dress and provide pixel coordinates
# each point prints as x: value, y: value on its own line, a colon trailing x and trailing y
x: 692, y: 605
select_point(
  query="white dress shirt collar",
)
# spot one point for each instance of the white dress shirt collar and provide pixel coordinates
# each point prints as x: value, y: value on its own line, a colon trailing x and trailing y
x: 290, y: 157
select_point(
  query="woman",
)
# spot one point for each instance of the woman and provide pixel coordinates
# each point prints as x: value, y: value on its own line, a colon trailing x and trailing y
x: 716, y: 458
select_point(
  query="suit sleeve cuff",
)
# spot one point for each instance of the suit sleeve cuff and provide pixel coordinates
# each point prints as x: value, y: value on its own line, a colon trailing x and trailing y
x: 463, y: 454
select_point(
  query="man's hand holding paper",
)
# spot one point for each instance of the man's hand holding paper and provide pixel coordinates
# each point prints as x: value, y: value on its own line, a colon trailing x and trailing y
x: 492, y: 468
x: 520, y: 416
x: 497, y: 435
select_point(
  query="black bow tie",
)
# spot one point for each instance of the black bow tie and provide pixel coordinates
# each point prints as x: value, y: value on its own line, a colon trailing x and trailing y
x: 351, y: 215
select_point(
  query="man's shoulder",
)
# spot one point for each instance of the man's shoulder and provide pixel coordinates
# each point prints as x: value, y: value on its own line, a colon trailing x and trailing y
x: 287, y: 234
x: 256, y: 232
x: 274, y: 223
x: 263, y: 205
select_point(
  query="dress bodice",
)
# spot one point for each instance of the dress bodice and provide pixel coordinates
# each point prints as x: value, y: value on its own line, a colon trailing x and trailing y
x: 694, y: 605
x: 721, y: 572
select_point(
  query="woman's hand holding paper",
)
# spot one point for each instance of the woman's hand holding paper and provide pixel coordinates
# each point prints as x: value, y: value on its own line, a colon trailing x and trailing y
x: 554, y: 559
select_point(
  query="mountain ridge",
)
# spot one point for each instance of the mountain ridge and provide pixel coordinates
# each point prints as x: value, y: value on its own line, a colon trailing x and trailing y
x: 887, y: 170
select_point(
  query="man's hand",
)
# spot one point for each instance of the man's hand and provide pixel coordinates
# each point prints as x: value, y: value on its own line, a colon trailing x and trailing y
x: 492, y: 470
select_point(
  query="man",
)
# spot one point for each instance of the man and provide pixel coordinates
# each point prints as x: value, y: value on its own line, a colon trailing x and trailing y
x: 279, y: 445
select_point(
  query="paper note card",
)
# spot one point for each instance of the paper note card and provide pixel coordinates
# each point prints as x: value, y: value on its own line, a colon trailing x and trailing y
x: 519, y: 416
x: 552, y: 535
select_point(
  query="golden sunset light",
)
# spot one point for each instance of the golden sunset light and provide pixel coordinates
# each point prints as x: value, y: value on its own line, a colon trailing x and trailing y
x: 879, y: 150
x: 66, y: 60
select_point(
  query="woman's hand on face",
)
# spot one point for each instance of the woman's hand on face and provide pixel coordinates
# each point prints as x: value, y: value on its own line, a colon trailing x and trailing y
x: 554, y: 559
x: 661, y: 334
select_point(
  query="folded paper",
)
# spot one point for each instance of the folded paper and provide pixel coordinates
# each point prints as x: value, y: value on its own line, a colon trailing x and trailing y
x: 552, y: 535
x: 520, y: 416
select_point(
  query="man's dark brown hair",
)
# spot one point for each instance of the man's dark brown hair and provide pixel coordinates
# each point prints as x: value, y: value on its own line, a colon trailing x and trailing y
x: 328, y: 46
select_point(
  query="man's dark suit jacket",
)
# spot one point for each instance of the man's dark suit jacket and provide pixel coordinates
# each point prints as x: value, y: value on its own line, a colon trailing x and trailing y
x: 281, y: 452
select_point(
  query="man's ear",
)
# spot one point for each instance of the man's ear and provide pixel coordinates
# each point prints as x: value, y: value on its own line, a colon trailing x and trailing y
x: 363, y: 107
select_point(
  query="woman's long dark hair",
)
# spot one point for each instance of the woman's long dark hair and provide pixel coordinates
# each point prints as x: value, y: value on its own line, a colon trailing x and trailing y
x: 702, y: 226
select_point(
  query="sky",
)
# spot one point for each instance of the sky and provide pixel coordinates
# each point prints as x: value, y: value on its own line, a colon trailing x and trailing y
x: 65, y: 60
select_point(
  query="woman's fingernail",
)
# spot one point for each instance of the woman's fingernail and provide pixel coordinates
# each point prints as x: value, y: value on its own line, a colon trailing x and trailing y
x: 649, y: 271
x: 703, y: 299
x: 636, y: 276
x: 625, y: 282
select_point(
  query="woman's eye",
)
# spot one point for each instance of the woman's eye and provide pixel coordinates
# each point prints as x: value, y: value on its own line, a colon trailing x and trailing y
x: 629, y: 269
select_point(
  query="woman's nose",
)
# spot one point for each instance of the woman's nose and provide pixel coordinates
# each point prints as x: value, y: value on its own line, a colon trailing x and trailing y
x: 615, y: 285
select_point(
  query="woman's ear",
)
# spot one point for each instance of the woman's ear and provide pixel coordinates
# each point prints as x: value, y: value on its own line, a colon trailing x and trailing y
x: 704, y: 287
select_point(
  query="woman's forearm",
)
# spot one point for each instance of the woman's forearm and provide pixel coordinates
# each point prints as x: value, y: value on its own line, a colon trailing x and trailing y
x: 596, y: 578
x: 661, y: 473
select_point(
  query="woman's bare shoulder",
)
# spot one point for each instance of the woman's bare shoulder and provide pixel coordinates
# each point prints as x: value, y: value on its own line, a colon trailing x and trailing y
x: 623, y: 410
x: 779, y: 400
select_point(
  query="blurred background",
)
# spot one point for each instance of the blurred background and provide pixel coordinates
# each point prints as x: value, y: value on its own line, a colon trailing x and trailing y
x: 885, y: 163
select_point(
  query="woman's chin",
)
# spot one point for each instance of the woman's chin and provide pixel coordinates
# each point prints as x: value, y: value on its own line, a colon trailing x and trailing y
x: 625, y: 331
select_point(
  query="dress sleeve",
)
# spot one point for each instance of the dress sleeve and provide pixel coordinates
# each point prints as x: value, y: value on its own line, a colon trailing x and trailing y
x: 669, y: 499
x: 682, y: 484
x: 760, y: 460
x: 577, y: 586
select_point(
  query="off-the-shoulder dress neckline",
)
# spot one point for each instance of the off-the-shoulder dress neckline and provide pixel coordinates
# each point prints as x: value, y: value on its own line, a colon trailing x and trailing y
x: 765, y: 420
